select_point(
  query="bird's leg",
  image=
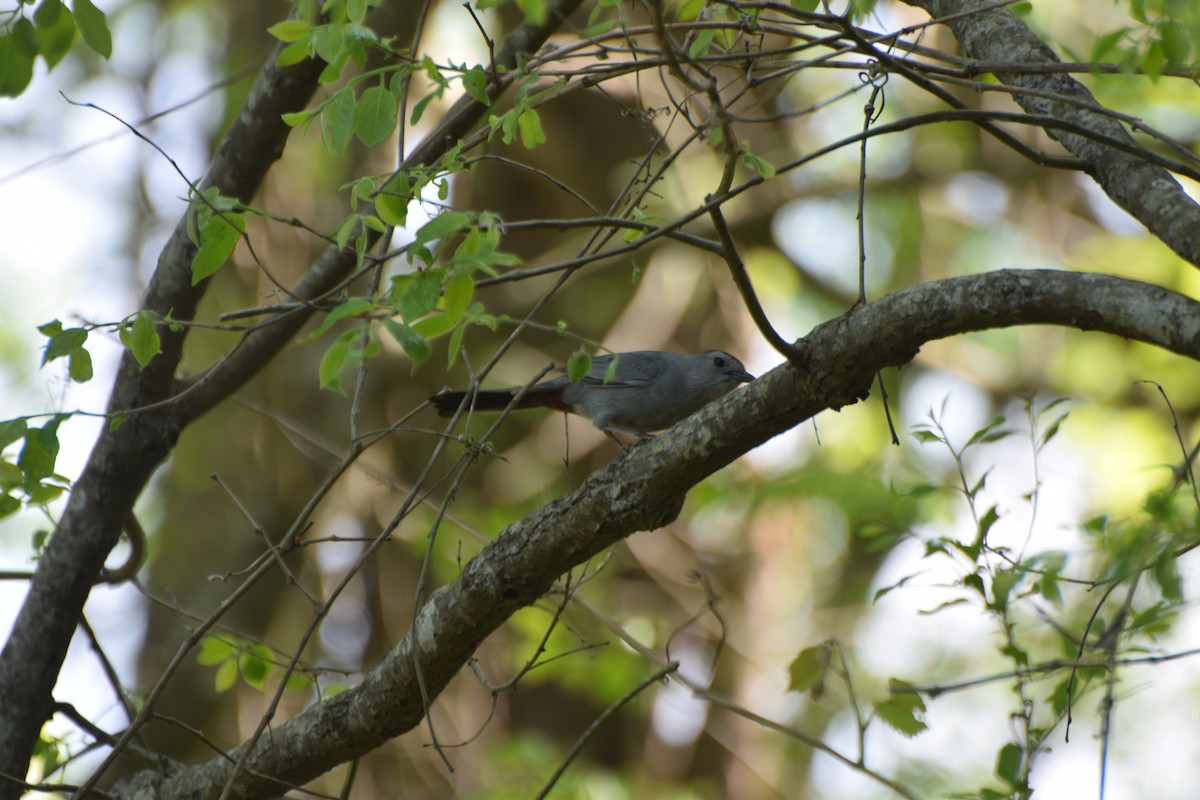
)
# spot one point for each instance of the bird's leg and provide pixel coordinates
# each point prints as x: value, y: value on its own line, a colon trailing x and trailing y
x: 611, y: 432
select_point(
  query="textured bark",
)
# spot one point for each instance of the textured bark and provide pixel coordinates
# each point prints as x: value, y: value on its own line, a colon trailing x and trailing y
x: 1147, y: 192
x: 645, y: 487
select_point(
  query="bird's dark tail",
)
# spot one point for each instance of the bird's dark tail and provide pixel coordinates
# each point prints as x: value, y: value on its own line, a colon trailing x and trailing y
x: 447, y: 403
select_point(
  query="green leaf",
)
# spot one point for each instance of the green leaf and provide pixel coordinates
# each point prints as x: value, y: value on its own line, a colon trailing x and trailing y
x: 39, y: 453
x: 1175, y: 43
x: 79, y: 366
x: 50, y: 328
x: 360, y: 191
x: 433, y: 326
x: 420, y: 106
x: 294, y: 53
x: 530, y: 126
x: 701, y: 43
x: 457, y: 296
x: 990, y: 517
x: 218, y: 236
x: 477, y: 316
x: 339, y: 120
x: 8, y: 505
x: 1047, y: 587
x: 141, y: 339
x: 299, y: 681
x: 43, y: 493
x: 374, y: 223
x: 989, y: 433
x: 1152, y: 63
x: 1104, y: 45
x: 335, y: 358
x: 1019, y: 656
x: 345, y: 229
x: 578, y: 366
x: 475, y: 82
x: 353, y: 307
x: 1002, y: 585
x: 903, y: 710
x: 610, y: 374
x: 443, y: 226
x: 11, y: 430
x: 25, y: 37
x: 414, y: 344
x: 973, y: 580
x: 291, y: 30
x: 536, y: 11
x: 455, y: 345
x: 332, y: 690
x: 48, y: 13
x: 226, y: 677
x: 1008, y: 764
x: 1051, y: 431
x: 420, y: 294
x: 356, y: 11
x: 1058, y: 698
x: 329, y: 43
x: 255, y: 667
x: 808, y: 6
x: 64, y: 344
x: 214, y: 650
x: 765, y: 170
x: 298, y: 117
x: 55, y: 30
x: 391, y: 203
x: 16, y: 64
x: 10, y: 475
x: 94, y: 27
x: 807, y: 670
x: 1166, y: 575
x: 376, y: 116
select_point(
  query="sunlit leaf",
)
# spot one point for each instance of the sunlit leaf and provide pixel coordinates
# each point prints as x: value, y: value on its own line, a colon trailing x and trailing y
x: 376, y: 115
x: 578, y: 366
x: 807, y: 670
x: 904, y: 709
x: 94, y: 27
x: 413, y: 343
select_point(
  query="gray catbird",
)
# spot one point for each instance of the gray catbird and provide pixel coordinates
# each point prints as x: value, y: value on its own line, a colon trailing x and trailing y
x: 650, y: 390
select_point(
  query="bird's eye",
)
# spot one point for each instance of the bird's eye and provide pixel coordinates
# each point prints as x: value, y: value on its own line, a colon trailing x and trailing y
x: 719, y: 362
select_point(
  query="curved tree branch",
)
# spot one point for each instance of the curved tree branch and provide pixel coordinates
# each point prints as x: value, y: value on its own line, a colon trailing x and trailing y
x: 645, y: 486
x: 1147, y: 192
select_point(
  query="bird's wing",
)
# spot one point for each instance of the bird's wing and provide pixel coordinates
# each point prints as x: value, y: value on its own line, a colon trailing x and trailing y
x: 633, y: 369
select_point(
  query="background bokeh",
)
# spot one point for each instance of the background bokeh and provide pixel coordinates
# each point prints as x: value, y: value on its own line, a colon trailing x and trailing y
x: 776, y: 553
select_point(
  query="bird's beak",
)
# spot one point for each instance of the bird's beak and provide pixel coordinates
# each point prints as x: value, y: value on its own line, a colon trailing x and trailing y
x: 743, y: 376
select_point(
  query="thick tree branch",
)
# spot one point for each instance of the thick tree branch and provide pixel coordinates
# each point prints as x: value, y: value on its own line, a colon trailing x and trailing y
x: 1149, y: 193
x: 645, y: 486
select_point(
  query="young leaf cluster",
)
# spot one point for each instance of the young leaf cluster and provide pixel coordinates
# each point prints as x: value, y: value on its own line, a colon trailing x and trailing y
x: 50, y: 33
x: 434, y: 300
